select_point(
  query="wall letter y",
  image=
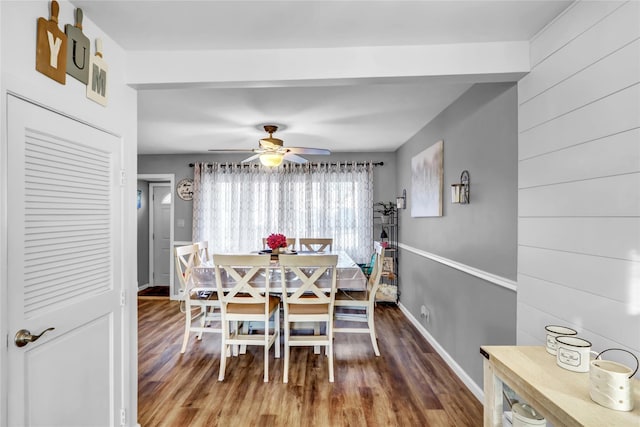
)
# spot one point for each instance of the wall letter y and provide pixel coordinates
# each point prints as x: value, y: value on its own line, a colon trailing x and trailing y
x: 54, y: 49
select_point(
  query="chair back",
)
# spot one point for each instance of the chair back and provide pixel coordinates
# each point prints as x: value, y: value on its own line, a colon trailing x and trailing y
x: 316, y: 244
x: 186, y: 258
x: 315, y: 278
x: 203, y: 252
x: 376, y: 272
x: 291, y: 243
x: 242, y: 279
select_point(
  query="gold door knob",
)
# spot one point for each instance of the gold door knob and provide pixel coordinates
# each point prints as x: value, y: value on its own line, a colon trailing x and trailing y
x: 24, y: 337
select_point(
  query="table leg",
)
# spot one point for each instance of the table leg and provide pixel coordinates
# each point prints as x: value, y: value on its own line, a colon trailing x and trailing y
x: 245, y: 331
x: 492, y: 396
x: 316, y: 331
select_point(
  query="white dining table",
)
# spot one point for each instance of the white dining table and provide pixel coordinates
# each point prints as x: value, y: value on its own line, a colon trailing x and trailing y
x: 349, y: 274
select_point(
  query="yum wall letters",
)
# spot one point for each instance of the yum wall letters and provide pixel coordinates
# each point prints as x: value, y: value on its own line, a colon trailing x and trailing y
x: 59, y: 54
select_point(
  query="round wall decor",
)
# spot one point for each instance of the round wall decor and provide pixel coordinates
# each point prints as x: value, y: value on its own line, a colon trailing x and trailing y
x: 184, y: 189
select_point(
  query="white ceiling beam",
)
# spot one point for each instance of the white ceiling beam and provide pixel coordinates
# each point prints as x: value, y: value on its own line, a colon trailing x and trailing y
x: 468, y: 63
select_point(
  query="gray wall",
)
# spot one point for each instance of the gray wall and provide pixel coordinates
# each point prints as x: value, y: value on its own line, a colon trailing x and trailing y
x: 480, y: 134
x: 179, y: 166
x: 143, y: 235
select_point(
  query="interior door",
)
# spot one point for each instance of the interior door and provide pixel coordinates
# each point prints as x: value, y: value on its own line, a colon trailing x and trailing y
x: 161, y: 236
x: 64, y: 225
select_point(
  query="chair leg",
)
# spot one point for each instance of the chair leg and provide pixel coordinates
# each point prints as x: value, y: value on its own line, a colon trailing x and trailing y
x: 266, y: 353
x: 276, y: 332
x: 372, y: 332
x: 187, y: 329
x: 203, y: 319
x: 330, y: 357
x: 245, y: 331
x: 285, y: 378
x: 329, y: 332
x: 223, y: 352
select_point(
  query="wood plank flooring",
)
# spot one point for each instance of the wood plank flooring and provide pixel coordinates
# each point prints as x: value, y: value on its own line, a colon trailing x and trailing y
x: 408, y: 385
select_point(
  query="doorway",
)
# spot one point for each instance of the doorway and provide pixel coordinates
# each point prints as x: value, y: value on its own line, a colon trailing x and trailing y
x: 159, y: 234
x: 155, y: 231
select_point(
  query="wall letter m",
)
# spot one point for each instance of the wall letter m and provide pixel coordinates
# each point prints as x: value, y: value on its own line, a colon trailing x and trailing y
x: 97, y: 87
x: 99, y: 81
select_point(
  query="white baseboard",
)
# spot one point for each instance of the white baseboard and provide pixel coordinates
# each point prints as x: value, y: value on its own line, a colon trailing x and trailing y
x: 460, y: 373
x: 145, y: 286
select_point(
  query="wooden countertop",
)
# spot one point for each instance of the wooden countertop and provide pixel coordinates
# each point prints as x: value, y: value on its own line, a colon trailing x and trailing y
x: 562, y: 396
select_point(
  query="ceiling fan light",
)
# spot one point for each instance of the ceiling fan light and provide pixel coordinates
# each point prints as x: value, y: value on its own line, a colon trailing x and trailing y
x: 271, y: 159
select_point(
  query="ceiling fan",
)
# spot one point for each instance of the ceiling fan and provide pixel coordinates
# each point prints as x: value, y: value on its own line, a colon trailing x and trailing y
x: 272, y: 151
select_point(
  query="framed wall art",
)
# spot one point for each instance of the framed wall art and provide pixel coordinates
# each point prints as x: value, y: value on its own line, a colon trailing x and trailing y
x: 427, y: 181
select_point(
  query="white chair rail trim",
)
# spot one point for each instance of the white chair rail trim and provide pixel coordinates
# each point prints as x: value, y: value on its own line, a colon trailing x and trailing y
x: 484, y: 275
x: 457, y: 369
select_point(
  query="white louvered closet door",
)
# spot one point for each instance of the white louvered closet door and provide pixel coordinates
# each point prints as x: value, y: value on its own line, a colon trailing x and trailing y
x: 64, y: 243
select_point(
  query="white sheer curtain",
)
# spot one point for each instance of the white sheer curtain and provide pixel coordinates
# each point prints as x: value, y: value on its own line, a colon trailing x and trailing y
x: 235, y: 206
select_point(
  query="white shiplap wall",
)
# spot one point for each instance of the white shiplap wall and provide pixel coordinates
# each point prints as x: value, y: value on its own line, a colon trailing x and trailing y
x: 579, y: 178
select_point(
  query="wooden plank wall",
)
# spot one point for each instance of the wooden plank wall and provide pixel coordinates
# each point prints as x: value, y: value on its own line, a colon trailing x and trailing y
x: 579, y: 178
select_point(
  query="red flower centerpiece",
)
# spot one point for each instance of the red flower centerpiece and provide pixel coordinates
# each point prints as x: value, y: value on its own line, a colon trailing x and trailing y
x: 276, y: 241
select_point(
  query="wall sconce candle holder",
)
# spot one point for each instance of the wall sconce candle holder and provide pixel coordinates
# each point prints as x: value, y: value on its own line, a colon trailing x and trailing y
x: 401, y: 201
x: 460, y: 192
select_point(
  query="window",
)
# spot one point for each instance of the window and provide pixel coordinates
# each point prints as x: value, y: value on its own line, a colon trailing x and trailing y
x: 235, y: 206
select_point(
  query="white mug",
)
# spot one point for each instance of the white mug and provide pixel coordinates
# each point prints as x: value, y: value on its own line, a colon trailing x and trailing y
x: 554, y: 331
x: 574, y: 353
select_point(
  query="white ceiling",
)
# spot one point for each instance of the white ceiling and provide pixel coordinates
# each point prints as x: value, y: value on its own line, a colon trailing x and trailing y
x: 374, y: 115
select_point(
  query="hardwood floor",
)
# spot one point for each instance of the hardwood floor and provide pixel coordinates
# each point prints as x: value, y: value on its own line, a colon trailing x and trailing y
x: 408, y: 385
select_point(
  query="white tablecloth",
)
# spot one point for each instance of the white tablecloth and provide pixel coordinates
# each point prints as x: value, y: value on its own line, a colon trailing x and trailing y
x: 350, y: 276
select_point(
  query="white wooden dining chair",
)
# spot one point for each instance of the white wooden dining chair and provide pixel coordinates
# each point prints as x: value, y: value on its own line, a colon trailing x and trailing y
x: 291, y: 243
x: 242, y: 283
x: 203, y: 252
x: 308, y: 297
x: 205, y: 299
x: 359, y: 306
x: 316, y: 244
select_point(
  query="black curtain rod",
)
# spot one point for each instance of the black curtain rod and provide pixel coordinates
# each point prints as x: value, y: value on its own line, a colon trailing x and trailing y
x: 312, y: 164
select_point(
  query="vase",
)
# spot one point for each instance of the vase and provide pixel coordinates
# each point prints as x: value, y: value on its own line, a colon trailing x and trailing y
x: 276, y: 251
